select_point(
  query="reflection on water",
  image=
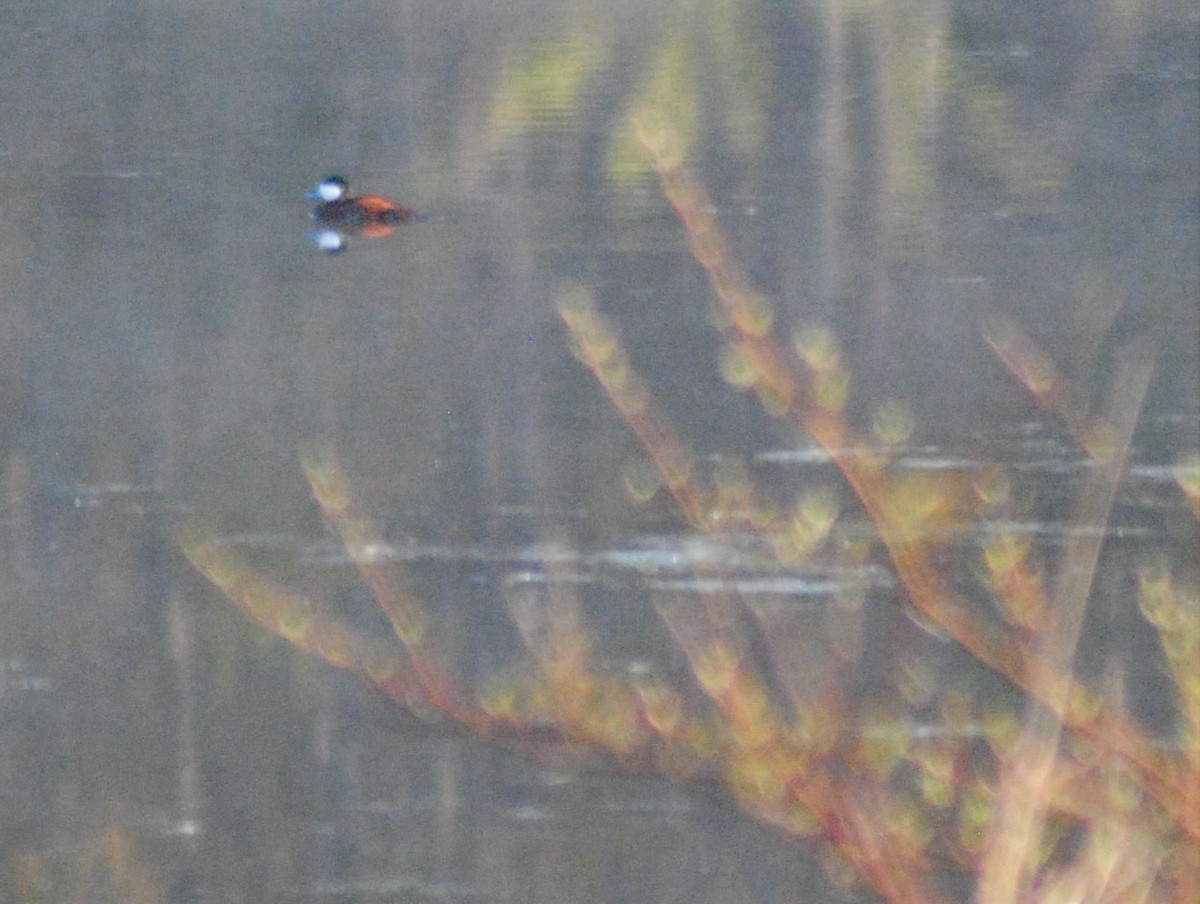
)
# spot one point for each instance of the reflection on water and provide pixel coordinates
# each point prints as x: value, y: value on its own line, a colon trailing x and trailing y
x: 169, y: 339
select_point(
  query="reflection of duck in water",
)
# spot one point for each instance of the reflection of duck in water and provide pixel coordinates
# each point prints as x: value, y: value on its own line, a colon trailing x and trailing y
x: 340, y: 214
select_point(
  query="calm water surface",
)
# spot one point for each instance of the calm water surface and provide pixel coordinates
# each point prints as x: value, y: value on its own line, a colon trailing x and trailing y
x: 170, y: 338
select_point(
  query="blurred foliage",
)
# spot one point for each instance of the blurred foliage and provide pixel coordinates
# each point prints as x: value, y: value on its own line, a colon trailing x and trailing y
x: 668, y: 92
x: 541, y: 88
x: 1050, y: 791
x: 1070, y: 800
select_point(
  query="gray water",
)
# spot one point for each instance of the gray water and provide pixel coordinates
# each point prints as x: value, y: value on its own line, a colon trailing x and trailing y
x: 170, y: 338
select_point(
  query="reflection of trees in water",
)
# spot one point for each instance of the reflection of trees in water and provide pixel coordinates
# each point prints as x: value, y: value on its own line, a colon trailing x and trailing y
x: 883, y: 174
x: 1056, y: 793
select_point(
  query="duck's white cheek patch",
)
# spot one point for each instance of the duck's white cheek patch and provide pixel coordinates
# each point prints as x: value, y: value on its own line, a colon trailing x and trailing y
x: 329, y: 191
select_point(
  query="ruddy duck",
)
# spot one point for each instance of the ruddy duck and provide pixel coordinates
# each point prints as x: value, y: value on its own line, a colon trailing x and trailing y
x: 340, y: 213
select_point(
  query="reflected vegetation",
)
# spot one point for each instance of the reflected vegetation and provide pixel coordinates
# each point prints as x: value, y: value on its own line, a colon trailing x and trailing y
x: 1052, y: 790
x: 786, y: 420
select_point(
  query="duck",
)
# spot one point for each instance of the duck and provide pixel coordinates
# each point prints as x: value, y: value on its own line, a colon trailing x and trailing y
x: 339, y: 213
